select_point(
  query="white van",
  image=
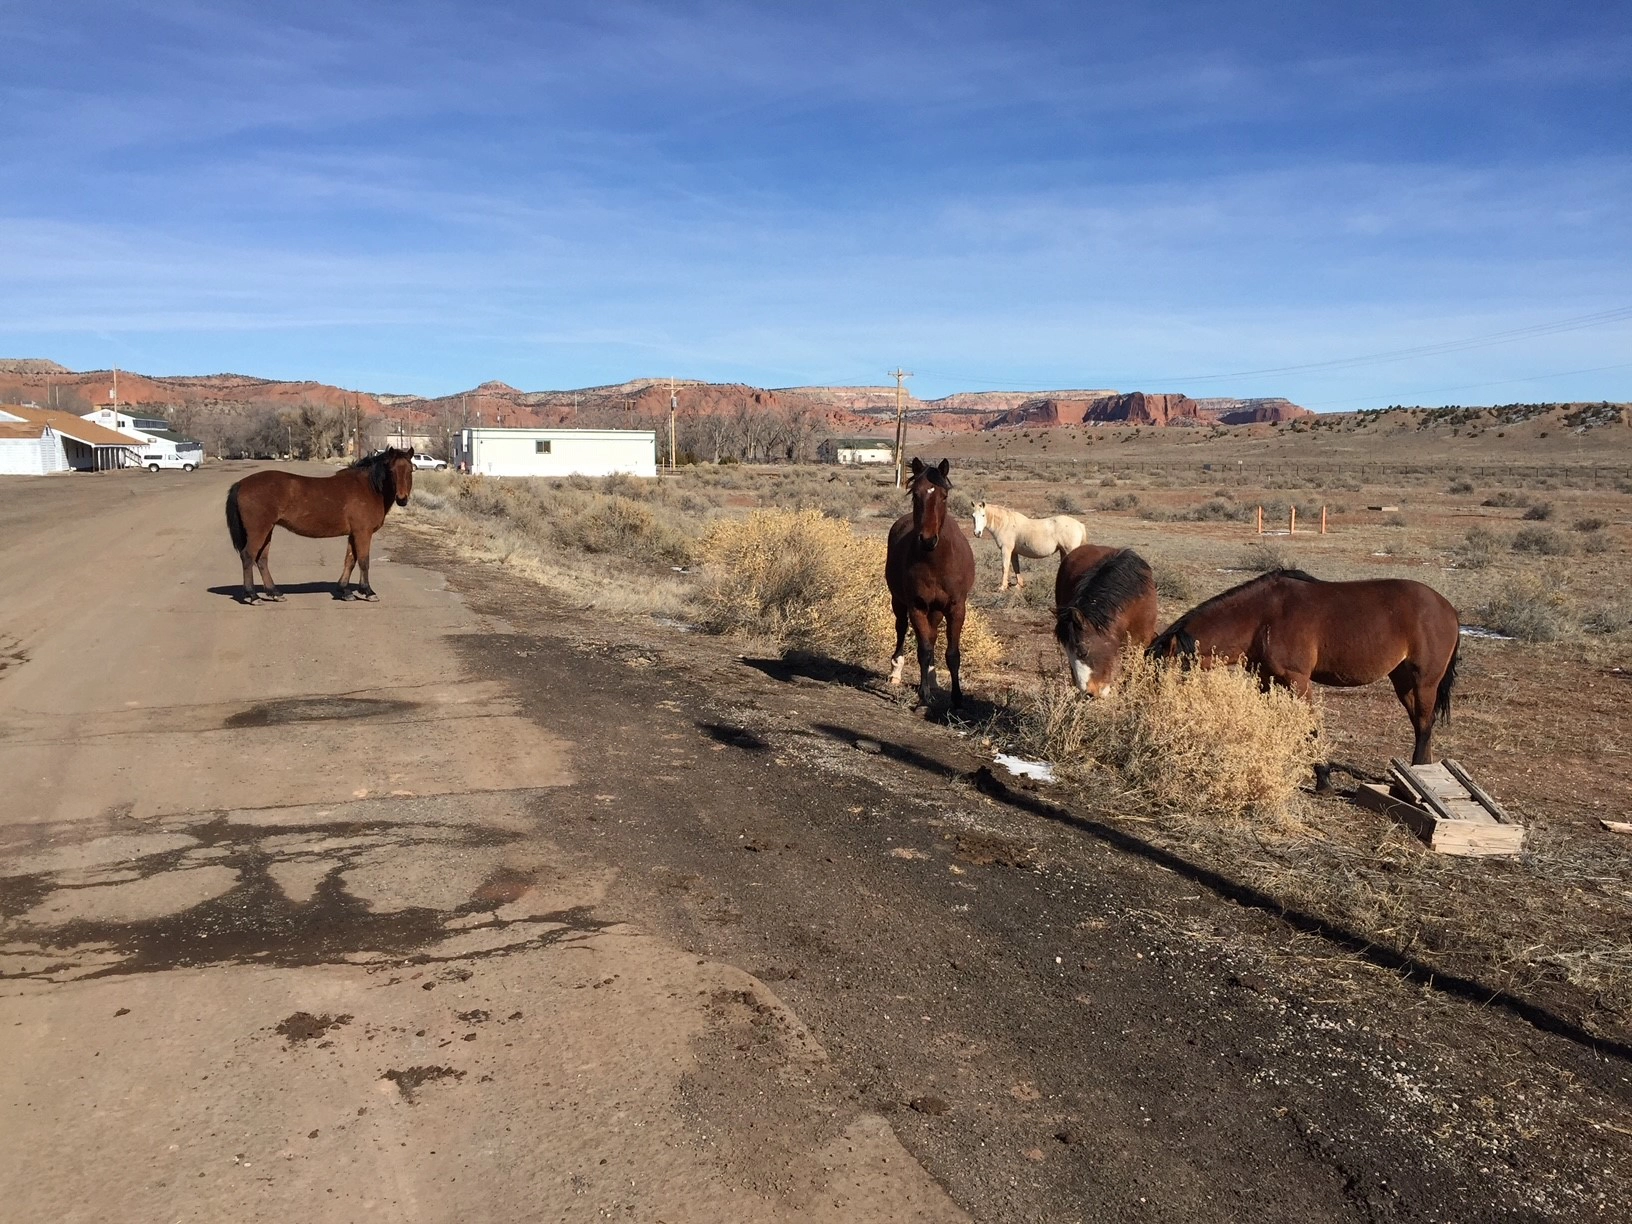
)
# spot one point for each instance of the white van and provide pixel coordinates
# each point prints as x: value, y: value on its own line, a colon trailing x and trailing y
x: 185, y: 460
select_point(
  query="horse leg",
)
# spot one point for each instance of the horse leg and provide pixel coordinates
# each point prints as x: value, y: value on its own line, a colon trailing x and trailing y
x: 1418, y: 695
x: 248, y: 558
x: 923, y: 629
x: 898, y: 660
x: 345, y: 570
x: 1299, y: 683
x: 954, y: 650
x: 262, y: 560
x: 360, y: 546
x: 1019, y: 578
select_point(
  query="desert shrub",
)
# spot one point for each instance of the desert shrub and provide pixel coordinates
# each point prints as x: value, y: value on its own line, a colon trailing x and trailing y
x: 1539, y: 512
x: 1203, y: 742
x: 1477, y: 549
x: 1061, y: 502
x: 1107, y: 482
x: 1214, y: 510
x: 814, y: 586
x: 1262, y: 556
x: 1543, y: 540
x: 626, y: 528
x: 1394, y: 520
x: 1590, y: 524
x: 1607, y: 618
x: 1460, y: 486
x: 960, y: 504
x: 1122, y: 501
x: 1524, y: 608
x: 1595, y: 543
x: 1506, y: 499
x: 1174, y: 584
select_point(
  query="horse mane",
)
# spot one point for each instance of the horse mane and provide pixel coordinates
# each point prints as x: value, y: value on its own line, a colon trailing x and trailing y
x: 378, y: 467
x: 1179, y: 630
x: 1102, y: 593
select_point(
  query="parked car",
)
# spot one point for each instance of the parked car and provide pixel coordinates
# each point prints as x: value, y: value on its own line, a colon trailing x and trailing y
x: 171, y: 459
x: 425, y: 463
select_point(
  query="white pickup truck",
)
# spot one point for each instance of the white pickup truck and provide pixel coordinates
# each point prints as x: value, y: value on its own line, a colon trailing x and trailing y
x: 185, y: 460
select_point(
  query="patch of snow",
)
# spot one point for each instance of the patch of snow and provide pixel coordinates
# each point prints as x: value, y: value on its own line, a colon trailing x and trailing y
x: 1042, y: 771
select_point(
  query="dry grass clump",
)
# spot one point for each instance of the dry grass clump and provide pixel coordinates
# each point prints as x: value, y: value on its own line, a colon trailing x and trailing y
x: 1261, y: 557
x: 1525, y: 607
x: 1205, y: 743
x: 813, y: 585
x: 1544, y: 540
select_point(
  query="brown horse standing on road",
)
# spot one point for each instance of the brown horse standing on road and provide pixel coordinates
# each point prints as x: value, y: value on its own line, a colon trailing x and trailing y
x: 1104, y: 598
x: 930, y: 570
x: 351, y: 503
x: 1296, y: 630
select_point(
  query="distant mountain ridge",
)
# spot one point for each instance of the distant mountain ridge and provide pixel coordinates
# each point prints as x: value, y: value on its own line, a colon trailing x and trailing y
x: 634, y: 401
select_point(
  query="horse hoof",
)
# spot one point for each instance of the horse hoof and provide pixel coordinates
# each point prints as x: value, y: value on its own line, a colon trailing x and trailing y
x: 345, y: 595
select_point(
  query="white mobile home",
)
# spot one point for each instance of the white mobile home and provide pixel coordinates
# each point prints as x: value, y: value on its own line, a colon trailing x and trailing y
x: 556, y: 452
x: 855, y: 450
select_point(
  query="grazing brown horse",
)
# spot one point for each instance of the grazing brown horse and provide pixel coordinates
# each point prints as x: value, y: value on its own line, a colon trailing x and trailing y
x: 930, y: 570
x: 1296, y: 630
x: 351, y: 503
x: 1104, y: 598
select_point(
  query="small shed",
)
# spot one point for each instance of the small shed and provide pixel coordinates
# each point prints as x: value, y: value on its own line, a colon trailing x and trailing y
x: 556, y: 452
x: 855, y: 450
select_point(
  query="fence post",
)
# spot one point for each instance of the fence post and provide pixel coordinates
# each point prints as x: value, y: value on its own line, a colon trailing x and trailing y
x: 1323, y: 520
x: 1292, y: 526
x: 1260, y: 520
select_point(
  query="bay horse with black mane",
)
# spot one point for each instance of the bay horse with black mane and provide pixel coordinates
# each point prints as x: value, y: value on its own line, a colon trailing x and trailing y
x: 930, y: 570
x: 351, y: 503
x: 1104, y: 599
x: 1295, y: 630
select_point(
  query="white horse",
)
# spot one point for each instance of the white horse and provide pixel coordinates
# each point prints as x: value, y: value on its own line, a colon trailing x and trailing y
x: 1018, y: 536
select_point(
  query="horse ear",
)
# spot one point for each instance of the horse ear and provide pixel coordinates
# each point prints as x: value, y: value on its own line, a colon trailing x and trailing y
x: 1078, y: 618
x: 917, y: 465
x: 945, y: 467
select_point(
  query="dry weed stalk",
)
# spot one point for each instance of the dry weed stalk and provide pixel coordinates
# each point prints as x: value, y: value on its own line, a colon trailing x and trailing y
x: 1202, y: 742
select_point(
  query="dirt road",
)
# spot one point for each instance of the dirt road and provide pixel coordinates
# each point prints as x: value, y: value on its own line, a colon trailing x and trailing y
x: 285, y: 936
x: 245, y: 977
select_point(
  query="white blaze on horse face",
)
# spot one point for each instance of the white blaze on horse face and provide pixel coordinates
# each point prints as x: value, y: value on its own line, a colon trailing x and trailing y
x: 1081, y: 673
x: 980, y: 519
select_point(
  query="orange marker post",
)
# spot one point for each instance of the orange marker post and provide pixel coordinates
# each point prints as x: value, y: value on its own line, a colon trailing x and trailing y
x: 1292, y: 526
x: 1323, y: 520
x: 1260, y: 520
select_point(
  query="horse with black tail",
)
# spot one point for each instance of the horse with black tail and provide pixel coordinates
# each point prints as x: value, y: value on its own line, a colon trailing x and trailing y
x: 1295, y: 630
x: 1104, y: 600
x: 930, y: 570
x: 351, y: 503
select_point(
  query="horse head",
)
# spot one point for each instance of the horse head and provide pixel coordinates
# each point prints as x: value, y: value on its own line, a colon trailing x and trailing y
x: 929, y: 486
x: 1093, y: 657
x: 401, y: 464
x: 980, y: 519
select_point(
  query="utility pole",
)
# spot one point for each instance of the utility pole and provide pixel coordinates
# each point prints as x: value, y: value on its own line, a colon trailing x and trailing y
x: 674, y: 403
x: 900, y: 422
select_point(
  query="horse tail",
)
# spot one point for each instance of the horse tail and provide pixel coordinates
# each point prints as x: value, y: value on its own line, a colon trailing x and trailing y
x: 235, y: 521
x: 1447, y: 682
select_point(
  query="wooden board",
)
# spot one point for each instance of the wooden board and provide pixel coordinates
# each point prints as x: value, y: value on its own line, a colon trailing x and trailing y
x: 1450, y: 816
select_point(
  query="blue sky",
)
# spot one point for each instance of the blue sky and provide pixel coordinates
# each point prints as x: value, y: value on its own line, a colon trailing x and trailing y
x: 415, y: 196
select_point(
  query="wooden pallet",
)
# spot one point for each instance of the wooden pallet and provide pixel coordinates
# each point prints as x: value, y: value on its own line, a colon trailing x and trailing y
x: 1446, y: 808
